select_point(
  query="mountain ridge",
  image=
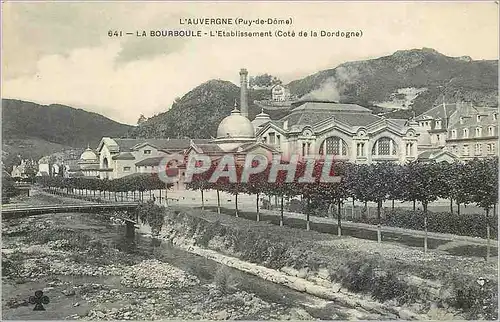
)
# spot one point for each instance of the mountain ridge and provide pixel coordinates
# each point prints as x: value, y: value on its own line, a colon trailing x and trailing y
x: 32, y: 130
x: 420, y: 78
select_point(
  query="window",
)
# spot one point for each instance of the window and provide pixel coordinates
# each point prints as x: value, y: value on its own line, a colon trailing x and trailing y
x: 478, y: 132
x: 494, y: 116
x: 361, y: 149
x: 264, y: 139
x: 491, y: 131
x: 147, y: 151
x: 384, y: 146
x: 462, y: 120
x: 271, y: 138
x: 466, y: 133
x: 409, y: 149
x: 439, y: 137
x: 333, y: 145
x: 454, y: 149
x: 453, y: 134
x: 466, y: 150
x: 126, y: 169
x: 477, y: 148
x: 277, y: 140
x: 490, y: 148
x: 478, y: 118
x: 438, y: 124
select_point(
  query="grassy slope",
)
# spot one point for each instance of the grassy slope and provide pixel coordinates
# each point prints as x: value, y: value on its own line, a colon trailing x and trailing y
x: 387, y: 272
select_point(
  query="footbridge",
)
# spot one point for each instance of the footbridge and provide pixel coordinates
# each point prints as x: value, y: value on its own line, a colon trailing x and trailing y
x: 127, y: 211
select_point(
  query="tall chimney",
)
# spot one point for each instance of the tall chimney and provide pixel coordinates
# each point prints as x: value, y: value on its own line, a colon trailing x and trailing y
x: 243, y: 92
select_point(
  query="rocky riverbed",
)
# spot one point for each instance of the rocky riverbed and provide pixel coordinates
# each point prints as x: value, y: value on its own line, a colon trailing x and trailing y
x: 87, y: 268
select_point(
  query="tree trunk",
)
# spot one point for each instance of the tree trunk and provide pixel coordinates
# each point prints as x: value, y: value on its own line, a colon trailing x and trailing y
x: 339, y: 219
x: 218, y: 201
x: 379, y: 226
x: 414, y: 204
x: 308, y: 227
x: 258, y: 214
x: 160, y: 196
x: 458, y: 208
x: 202, y: 200
x: 392, y: 204
x: 166, y: 195
x: 424, y: 205
x: 352, y: 214
x: 236, y: 202
x: 488, y: 234
x: 364, y: 213
x: 451, y: 205
x: 281, y: 217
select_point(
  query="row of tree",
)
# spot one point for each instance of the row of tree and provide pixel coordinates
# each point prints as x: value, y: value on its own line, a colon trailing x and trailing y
x: 98, y: 188
x: 472, y: 182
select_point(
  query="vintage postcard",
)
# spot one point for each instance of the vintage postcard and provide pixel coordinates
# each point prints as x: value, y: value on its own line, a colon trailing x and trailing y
x: 250, y: 160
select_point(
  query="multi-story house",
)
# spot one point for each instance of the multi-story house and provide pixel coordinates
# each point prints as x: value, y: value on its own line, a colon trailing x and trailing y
x: 461, y: 130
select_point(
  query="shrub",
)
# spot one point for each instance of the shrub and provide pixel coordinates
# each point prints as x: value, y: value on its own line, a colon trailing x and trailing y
x: 473, y: 225
x: 153, y: 215
x: 478, y: 298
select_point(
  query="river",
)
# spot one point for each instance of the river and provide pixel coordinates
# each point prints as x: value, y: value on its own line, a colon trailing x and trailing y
x: 90, y: 270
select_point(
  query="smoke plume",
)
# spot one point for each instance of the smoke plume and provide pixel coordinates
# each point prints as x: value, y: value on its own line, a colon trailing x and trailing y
x: 333, y: 87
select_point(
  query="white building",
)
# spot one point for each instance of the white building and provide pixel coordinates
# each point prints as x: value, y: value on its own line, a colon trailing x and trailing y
x: 461, y: 131
x: 348, y: 131
x: 280, y: 93
x: 123, y: 157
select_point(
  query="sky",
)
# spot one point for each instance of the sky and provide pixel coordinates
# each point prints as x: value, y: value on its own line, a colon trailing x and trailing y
x: 60, y: 52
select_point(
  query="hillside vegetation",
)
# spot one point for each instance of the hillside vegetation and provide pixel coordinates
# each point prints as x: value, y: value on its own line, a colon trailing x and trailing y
x: 32, y: 130
x: 370, y: 81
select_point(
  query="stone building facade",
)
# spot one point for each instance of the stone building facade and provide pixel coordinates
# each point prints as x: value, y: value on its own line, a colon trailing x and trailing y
x: 461, y: 129
x: 348, y: 131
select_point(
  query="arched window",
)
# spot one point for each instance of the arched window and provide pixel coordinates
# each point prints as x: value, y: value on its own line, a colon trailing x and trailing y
x: 384, y: 146
x: 333, y: 146
x: 105, y: 163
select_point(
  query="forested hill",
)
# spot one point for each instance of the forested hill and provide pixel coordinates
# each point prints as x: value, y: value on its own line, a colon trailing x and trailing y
x: 414, y: 79
x: 198, y: 113
x: 395, y: 79
x: 31, y: 130
x: 56, y: 123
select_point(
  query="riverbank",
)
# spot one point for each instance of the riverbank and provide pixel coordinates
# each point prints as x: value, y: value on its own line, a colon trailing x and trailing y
x: 90, y: 271
x: 436, y: 285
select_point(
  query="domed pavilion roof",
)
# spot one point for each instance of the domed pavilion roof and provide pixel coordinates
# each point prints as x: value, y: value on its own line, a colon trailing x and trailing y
x: 88, y: 155
x: 235, y: 126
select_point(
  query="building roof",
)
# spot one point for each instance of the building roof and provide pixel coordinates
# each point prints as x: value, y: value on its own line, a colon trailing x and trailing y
x: 235, y: 126
x: 330, y: 106
x: 312, y: 117
x: 441, y: 111
x: 88, y: 155
x: 210, y: 148
x: 154, y: 161
x: 470, y: 120
x: 124, y: 156
x: 126, y: 145
x: 434, y: 154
